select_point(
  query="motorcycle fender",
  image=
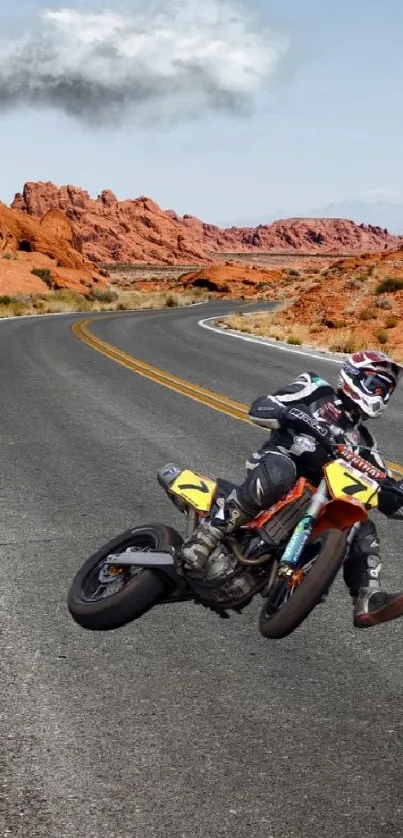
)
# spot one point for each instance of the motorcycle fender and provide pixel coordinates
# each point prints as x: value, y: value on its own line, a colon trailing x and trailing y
x: 339, y: 515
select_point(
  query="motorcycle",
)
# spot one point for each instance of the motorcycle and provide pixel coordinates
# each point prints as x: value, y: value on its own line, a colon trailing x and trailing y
x: 290, y: 554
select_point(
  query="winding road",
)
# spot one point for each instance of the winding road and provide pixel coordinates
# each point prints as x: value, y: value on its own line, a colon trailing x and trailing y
x: 181, y: 725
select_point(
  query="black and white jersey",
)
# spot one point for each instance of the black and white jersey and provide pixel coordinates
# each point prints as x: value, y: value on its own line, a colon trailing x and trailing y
x: 317, y: 397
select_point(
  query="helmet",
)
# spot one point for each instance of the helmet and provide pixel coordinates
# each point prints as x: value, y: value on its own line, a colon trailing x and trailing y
x: 367, y: 381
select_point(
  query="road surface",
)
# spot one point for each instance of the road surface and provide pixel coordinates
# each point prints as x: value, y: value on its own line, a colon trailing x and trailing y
x: 182, y: 725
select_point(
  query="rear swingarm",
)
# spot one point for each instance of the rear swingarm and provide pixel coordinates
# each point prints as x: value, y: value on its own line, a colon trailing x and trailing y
x: 158, y: 561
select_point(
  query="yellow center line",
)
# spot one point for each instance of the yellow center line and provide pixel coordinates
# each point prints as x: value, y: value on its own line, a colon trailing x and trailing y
x: 180, y: 385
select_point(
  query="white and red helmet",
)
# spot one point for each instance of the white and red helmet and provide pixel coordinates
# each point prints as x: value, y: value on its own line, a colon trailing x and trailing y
x: 368, y: 379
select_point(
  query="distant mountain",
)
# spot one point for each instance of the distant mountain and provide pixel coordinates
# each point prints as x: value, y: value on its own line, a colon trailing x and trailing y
x: 377, y: 213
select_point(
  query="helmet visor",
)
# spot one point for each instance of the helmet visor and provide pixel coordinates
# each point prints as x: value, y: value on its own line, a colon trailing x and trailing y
x: 378, y: 385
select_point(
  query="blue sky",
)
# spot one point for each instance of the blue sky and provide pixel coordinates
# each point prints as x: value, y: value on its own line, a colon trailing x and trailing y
x: 328, y: 130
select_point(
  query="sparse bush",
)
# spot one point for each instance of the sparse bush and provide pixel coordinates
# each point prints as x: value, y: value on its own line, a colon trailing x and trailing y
x: 293, y: 272
x: 345, y: 343
x: 384, y: 303
x: 381, y: 335
x: 8, y: 256
x: 172, y: 301
x: 333, y: 324
x: 388, y: 285
x: 367, y: 314
x: 44, y: 274
x: 95, y: 294
x: 354, y: 283
x: 294, y: 340
x: 391, y: 321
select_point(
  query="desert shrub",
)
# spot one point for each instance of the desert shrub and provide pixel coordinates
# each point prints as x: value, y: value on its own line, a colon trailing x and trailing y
x: 171, y: 301
x: 384, y: 303
x: 8, y: 256
x: 345, y: 343
x: 388, y: 285
x: 44, y: 274
x: 97, y: 295
x: 354, y: 283
x: 5, y: 299
x: 367, y: 314
x: 293, y: 272
x: 333, y: 324
x: 381, y: 335
x: 294, y: 340
x: 391, y: 321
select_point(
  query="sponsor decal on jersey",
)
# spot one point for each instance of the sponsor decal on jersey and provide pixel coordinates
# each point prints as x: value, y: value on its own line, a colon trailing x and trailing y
x: 308, y: 420
x: 304, y: 443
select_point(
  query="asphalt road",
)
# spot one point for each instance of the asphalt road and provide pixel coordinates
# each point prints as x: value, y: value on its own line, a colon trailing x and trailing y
x: 182, y: 725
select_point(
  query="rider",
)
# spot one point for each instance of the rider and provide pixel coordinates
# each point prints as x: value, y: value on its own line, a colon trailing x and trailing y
x: 305, y: 417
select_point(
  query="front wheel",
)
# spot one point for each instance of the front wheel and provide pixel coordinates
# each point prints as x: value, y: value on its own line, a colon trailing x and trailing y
x: 103, y: 597
x: 299, y: 602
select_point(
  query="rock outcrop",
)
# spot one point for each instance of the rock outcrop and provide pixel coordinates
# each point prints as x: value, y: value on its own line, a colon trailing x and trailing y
x: 49, y: 243
x: 139, y: 231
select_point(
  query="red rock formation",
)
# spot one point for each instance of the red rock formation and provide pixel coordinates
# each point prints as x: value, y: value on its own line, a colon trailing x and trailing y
x: 234, y: 280
x: 27, y: 243
x: 139, y: 231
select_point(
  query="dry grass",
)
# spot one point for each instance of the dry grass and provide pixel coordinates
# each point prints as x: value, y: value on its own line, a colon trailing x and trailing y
x: 267, y: 324
x: 270, y: 325
x: 69, y: 301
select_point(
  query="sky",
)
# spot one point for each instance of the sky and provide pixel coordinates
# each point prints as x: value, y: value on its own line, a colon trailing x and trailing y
x: 241, y: 112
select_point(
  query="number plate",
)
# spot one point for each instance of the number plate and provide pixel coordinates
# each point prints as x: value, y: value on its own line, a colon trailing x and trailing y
x: 348, y: 483
x: 196, y: 490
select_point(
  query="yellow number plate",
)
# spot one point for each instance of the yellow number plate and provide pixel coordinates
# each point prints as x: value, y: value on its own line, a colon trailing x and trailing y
x: 347, y: 483
x: 197, y: 491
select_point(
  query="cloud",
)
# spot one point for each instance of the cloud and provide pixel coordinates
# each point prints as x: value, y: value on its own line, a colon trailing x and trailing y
x: 153, y: 62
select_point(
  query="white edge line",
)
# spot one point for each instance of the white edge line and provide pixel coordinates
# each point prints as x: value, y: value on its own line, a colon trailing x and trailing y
x: 268, y: 343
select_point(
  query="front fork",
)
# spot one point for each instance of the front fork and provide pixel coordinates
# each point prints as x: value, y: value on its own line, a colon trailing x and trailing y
x: 192, y: 520
x: 302, y: 533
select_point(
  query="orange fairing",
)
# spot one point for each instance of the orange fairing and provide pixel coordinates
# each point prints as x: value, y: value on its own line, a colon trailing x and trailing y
x: 294, y: 494
x: 340, y: 515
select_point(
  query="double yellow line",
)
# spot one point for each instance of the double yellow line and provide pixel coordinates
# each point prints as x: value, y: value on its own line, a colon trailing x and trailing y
x: 199, y: 394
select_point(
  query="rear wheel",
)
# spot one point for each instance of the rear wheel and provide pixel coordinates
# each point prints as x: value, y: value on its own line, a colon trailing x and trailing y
x: 311, y: 584
x: 103, y: 597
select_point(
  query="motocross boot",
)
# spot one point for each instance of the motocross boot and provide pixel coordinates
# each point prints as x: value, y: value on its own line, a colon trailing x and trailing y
x: 373, y: 606
x: 197, y: 550
x: 361, y: 571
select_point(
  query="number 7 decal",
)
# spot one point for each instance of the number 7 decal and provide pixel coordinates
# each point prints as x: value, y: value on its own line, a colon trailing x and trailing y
x: 353, y: 488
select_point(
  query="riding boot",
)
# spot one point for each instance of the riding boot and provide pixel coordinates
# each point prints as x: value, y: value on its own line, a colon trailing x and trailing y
x: 207, y: 536
x: 362, y: 570
x: 272, y: 477
x: 373, y: 606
